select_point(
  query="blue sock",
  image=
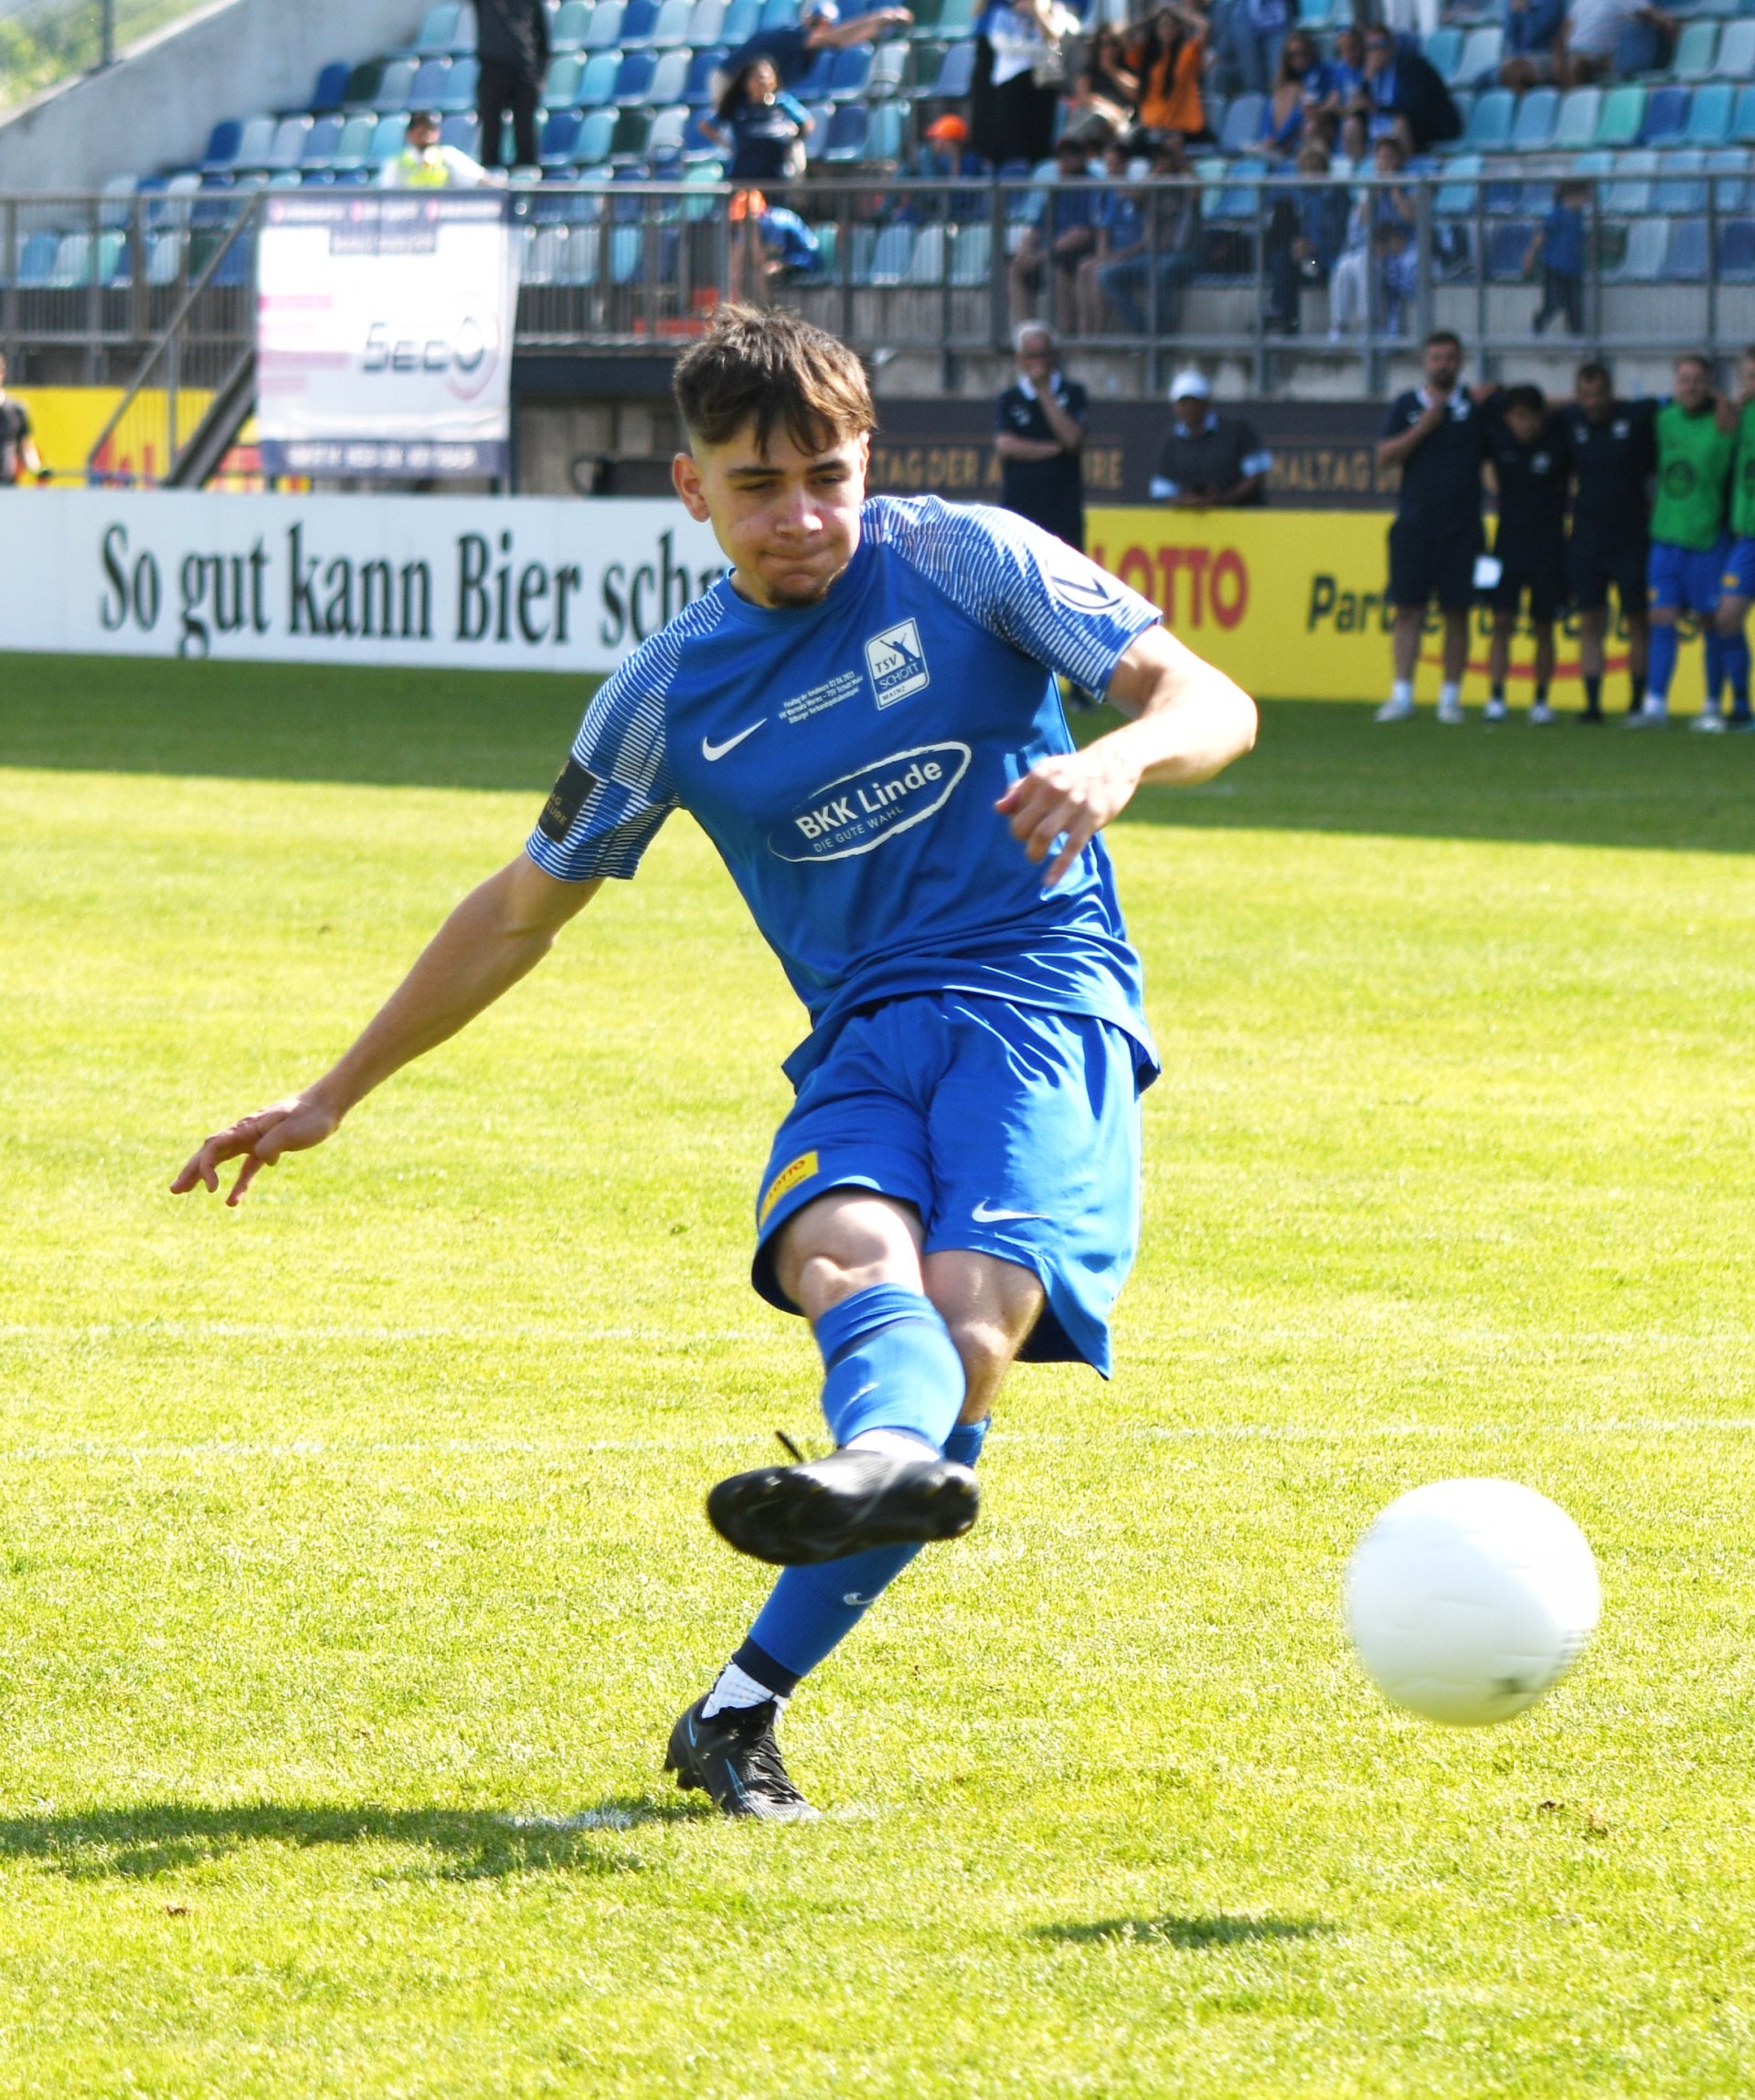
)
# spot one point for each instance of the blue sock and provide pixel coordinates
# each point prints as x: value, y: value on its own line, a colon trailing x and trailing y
x: 1715, y: 666
x: 1660, y: 665
x: 890, y: 1363
x: 1735, y: 659
x: 811, y: 1610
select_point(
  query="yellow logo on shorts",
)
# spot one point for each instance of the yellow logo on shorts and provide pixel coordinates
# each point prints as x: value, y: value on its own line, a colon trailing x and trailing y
x: 784, y: 1182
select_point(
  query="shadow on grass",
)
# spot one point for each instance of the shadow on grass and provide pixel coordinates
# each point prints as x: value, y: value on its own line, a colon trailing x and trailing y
x: 1319, y: 767
x: 1194, y: 1933
x: 155, y: 1837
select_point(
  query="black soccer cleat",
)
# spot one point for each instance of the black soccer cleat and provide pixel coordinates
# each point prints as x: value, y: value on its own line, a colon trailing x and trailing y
x: 734, y: 1760
x: 798, y: 1516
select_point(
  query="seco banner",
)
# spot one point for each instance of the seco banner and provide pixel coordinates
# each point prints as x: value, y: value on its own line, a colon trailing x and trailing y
x: 384, y: 332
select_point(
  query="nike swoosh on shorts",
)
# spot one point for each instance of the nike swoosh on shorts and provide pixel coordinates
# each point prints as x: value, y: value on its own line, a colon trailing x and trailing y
x: 983, y: 1213
x: 711, y: 751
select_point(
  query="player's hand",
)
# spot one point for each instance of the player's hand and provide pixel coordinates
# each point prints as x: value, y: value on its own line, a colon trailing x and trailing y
x: 1075, y: 793
x: 290, y: 1125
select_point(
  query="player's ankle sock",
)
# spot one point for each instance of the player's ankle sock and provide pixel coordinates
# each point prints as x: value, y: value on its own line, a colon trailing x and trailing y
x: 1593, y: 694
x: 736, y: 1687
x: 890, y: 1364
x: 1499, y: 693
x: 1402, y: 692
x: 1736, y: 661
x: 1450, y: 694
x: 1714, y: 654
x: 1660, y: 666
x: 811, y: 1610
x: 1541, y: 694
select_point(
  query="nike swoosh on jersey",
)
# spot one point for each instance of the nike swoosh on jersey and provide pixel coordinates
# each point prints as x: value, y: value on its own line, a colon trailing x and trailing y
x: 983, y: 1213
x: 711, y: 751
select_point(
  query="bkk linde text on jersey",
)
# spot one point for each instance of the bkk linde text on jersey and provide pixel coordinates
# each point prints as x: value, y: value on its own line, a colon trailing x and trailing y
x: 309, y: 592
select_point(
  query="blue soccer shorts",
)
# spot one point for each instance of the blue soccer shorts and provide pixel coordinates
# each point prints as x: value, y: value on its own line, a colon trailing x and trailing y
x: 1013, y: 1131
x: 1686, y: 579
x: 1738, y: 578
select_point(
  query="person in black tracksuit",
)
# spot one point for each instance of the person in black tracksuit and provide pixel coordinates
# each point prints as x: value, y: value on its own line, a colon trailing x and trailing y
x: 1531, y: 457
x: 1614, y: 456
x: 512, y: 46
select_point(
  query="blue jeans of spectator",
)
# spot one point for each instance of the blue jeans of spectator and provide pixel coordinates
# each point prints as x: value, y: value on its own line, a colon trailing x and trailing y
x: 1123, y: 282
x: 1245, y: 61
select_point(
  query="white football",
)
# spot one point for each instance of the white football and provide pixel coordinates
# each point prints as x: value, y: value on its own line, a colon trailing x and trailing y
x: 1467, y: 1599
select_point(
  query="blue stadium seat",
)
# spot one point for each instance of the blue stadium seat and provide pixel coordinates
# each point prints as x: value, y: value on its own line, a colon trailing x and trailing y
x: 695, y: 143
x: 1729, y: 168
x: 1457, y: 194
x: 887, y: 139
x: 332, y: 84
x: 427, y: 90
x: 463, y: 129
x: 559, y: 138
x: 956, y: 72
x: 595, y: 133
x: 597, y: 83
x: 568, y: 31
x: 1503, y: 199
x: 1442, y: 51
x: 1666, y: 117
x: 561, y: 84
x: 639, y: 19
x: 604, y: 32
x: 814, y: 85
x: 388, y: 136
x: 780, y: 14
x: 256, y: 143
x: 848, y: 132
x: 461, y: 83
x: 1737, y: 251
x: 223, y: 142
x: 1575, y: 122
x: 1630, y: 194
x: 438, y: 30
x: 628, y: 141
x: 37, y: 259
x: 1242, y: 124
x: 633, y: 77
x: 888, y: 257
x: 287, y: 148
x: 1697, y: 51
x: 1685, y: 258
x: 1490, y: 120
x: 1742, y: 123
x: 1508, y: 244
x: 670, y: 75
x: 462, y: 37
x: 1681, y: 187
x: 1736, y: 50
x: 742, y: 18
x: 1534, y: 127
x: 1479, y: 63
x: 852, y: 72
x: 320, y: 142
x: 1648, y: 242
x: 669, y: 130
x: 1709, y: 118
x: 670, y: 32
x: 697, y: 90
x: 393, y: 85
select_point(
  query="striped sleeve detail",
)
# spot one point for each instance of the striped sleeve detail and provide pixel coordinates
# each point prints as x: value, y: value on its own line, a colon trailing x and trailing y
x: 1021, y: 583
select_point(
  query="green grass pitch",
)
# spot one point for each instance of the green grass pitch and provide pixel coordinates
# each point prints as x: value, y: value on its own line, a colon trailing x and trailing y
x: 353, y: 1564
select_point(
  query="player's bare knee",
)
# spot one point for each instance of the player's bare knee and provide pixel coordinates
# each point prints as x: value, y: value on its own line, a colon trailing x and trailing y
x: 846, y: 1241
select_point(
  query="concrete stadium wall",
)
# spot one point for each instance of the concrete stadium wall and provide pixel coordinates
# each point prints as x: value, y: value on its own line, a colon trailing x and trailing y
x: 157, y: 106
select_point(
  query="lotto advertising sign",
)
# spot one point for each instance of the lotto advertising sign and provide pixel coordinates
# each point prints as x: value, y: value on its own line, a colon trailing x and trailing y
x: 476, y: 582
x: 384, y: 333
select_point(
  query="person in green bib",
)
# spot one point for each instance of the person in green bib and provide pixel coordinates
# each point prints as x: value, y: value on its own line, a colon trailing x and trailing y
x: 1737, y: 585
x: 1696, y: 440
x: 424, y: 164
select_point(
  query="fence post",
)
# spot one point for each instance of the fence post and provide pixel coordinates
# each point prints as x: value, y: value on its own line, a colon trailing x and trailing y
x: 107, y: 32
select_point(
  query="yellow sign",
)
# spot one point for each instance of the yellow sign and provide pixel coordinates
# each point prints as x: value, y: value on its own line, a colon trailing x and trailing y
x: 1291, y: 604
x: 68, y: 421
x: 789, y: 1178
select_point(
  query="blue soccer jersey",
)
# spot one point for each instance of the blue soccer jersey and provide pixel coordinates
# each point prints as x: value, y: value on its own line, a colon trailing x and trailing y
x: 846, y: 758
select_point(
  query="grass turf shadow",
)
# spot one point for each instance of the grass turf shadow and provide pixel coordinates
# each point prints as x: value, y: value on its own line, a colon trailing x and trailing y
x: 153, y: 1838
x: 1192, y: 1934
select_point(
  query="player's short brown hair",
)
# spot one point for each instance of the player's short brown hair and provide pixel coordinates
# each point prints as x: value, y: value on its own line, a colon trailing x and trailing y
x: 766, y: 367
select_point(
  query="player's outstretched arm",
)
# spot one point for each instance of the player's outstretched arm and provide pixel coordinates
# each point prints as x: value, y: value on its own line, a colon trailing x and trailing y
x: 1189, y: 722
x: 497, y: 934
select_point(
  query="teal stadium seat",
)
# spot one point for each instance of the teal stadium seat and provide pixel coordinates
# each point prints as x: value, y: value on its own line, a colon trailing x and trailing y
x: 560, y: 85
x: 1648, y: 242
x: 1534, y: 127
x: 1442, y: 51
x: 604, y: 32
x: 568, y: 32
x: 1709, y: 114
x: 1482, y: 54
x: 437, y: 30
x: 1624, y: 116
x: 394, y: 85
x: 706, y: 23
x: 1575, y: 125
x: 597, y: 82
x: 1697, y: 51
x: 670, y: 32
x: 1490, y: 120
x: 1736, y: 50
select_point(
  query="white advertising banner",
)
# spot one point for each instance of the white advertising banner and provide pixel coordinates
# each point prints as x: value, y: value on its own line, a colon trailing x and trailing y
x: 522, y: 583
x: 383, y: 323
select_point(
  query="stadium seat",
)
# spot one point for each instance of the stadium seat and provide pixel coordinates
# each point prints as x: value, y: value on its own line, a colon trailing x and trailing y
x: 669, y: 128
x: 1481, y: 56
x: 604, y: 32
x: 1736, y: 50
x: 1575, y: 122
x: 164, y: 259
x: 695, y: 143
x: 670, y: 75
x: 286, y: 143
x: 780, y: 14
x: 972, y: 255
x: 634, y: 78
x: 1456, y: 196
x: 1508, y: 244
x: 331, y: 87
x: 431, y: 84
x: 1666, y: 117
x: 457, y: 90
x: 394, y: 86
x: 463, y: 129
x: 388, y: 136
x: 926, y: 265
x: 852, y: 72
x: 889, y: 257
x: 627, y: 254
x: 670, y: 31
x: 561, y: 84
x: 706, y: 23
x: 37, y: 259
x: 887, y: 138
x: 697, y: 89
x: 597, y: 83
x: 73, y: 266
x: 319, y: 141
x: 957, y: 18
x: 559, y: 138
x: 223, y: 142
x: 1685, y: 257
x: 462, y: 37
x: 1490, y: 120
x: 1623, y: 115
x: 437, y: 30
x: 1696, y: 48
x: 1729, y: 168
x: 1628, y: 196
x: 813, y: 87
x: 1534, y: 127
x: 362, y: 86
x: 742, y: 20
x: 639, y: 19
x: 1503, y: 199
x: 568, y: 32
x: 1243, y: 124
x: 1647, y: 243
x: 956, y: 72
x: 1737, y: 251
x: 628, y: 139
x: 848, y: 132
x: 1710, y: 113
x: 258, y: 142
x: 594, y: 135
x: 888, y: 68
x: 1442, y: 51
x: 1681, y: 187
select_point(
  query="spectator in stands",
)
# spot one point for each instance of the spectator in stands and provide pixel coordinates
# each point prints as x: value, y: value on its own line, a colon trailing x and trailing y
x: 761, y: 126
x: 1209, y: 461
x: 19, y: 453
x: 792, y: 52
x: 1697, y: 444
x: 1354, y: 146
x: 1039, y: 434
x: 945, y: 154
x: 1589, y: 45
x: 1531, y: 46
x: 1306, y: 234
x: 1091, y: 117
x: 1306, y: 98
x: 1019, y: 77
x: 1380, y: 242
x: 1403, y: 97
x: 1246, y: 36
x: 512, y: 47
x: 1558, y: 243
x: 790, y: 253
x: 1065, y: 232
x: 1169, y: 58
x: 1347, y: 65
x: 1437, y: 436
x: 1122, y: 278
x: 1614, y: 455
x: 424, y: 164
x: 1110, y: 75
x: 1122, y: 236
x: 1531, y: 459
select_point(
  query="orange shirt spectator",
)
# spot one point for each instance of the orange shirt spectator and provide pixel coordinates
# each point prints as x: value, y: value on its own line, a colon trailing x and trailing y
x: 1171, y: 58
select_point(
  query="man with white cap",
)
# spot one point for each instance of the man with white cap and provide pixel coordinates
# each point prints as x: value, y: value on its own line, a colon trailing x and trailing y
x: 1209, y: 461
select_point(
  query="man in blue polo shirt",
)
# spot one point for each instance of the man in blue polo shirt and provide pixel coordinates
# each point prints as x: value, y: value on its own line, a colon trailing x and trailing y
x: 864, y: 717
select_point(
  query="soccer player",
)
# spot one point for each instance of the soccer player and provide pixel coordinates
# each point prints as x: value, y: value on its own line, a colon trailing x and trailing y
x: 1528, y: 452
x: 1614, y: 454
x: 1697, y: 438
x: 1736, y: 586
x: 1437, y: 436
x: 863, y: 717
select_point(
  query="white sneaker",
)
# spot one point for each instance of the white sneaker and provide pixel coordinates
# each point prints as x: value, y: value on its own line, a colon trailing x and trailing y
x: 1710, y: 722
x: 1395, y: 711
x: 1494, y: 710
x: 1451, y: 712
x: 1541, y: 714
x: 1649, y: 717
